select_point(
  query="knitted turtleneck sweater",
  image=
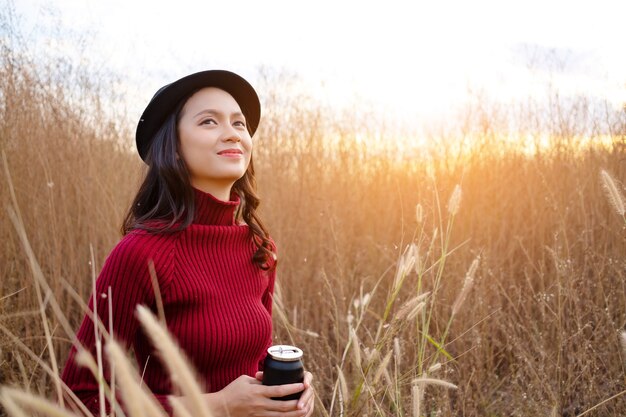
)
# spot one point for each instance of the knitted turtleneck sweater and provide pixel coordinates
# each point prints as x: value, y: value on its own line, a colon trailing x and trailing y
x: 217, y: 302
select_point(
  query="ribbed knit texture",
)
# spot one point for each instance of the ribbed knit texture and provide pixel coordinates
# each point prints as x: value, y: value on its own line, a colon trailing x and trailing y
x: 217, y: 302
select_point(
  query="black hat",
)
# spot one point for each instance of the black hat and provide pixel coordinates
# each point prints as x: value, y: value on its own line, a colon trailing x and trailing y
x: 166, y: 99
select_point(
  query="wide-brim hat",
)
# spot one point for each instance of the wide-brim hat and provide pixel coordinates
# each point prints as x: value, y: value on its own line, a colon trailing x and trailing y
x: 168, y: 97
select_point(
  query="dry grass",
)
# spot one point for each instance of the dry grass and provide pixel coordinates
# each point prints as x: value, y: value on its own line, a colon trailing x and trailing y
x: 379, y: 278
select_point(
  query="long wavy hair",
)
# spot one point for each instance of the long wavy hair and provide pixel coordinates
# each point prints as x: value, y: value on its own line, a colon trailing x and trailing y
x: 165, y: 202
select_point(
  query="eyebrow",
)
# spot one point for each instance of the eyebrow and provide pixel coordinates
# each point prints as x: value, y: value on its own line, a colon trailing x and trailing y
x: 215, y: 112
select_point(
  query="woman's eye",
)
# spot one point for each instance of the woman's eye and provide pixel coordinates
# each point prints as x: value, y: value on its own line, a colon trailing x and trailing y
x: 208, y: 122
x: 240, y: 123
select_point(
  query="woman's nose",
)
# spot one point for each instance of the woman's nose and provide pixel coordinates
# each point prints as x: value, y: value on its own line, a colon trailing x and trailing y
x: 231, y: 135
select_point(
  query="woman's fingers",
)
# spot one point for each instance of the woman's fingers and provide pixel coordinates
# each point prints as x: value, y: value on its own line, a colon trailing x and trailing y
x: 297, y: 413
x: 305, y: 400
x: 271, y: 391
x: 248, y: 396
x: 307, y: 395
x: 308, y: 378
x: 282, y: 406
x: 292, y: 408
x: 309, y: 406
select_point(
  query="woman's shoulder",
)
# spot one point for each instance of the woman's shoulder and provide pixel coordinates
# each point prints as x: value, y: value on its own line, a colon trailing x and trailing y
x: 140, y: 246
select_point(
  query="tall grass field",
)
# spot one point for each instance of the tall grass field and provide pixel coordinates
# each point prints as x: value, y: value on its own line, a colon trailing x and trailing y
x: 482, y: 274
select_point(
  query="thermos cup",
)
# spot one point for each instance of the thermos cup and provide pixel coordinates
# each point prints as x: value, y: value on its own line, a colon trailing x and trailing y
x: 283, y: 365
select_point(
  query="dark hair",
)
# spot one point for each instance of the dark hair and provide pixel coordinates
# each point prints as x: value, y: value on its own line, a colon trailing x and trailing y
x: 165, y: 200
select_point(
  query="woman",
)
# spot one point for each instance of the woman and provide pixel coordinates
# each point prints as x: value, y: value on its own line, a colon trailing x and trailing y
x: 194, y: 221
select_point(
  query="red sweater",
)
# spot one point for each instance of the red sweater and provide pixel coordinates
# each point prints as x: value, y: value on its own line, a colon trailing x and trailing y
x: 217, y: 302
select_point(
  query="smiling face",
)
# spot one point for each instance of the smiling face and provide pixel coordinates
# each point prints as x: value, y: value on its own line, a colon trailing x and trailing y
x: 214, y: 141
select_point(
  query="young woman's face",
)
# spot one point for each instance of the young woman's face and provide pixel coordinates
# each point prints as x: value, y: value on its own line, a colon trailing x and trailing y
x: 214, y: 140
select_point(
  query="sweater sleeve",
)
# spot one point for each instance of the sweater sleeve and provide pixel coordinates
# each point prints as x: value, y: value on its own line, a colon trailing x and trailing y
x: 267, y: 301
x: 269, y: 292
x: 126, y: 273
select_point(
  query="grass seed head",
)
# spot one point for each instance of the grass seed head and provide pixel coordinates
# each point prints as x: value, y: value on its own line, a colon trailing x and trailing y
x: 397, y: 351
x: 419, y: 214
x: 467, y: 286
x: 416, y: 396
x: 382, y: 367
x: 181, y: 373
x: 356, y: 348
x: 343, y: 386
x: 454, y: 203
x: 18, y: 401
x: 613, y: 193
x: 434, y: 368
x: 433, y: 381
x: 405, y: 265
x: 10, y: 406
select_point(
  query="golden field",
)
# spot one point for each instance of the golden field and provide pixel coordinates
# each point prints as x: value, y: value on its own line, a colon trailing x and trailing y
x: 475, y: 278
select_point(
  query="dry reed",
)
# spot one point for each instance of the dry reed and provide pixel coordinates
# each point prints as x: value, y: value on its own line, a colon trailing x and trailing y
x: 613, y: 192
x: 138, y: 402
x: 36, y: 405
x: 174, y: 360
x: 455, y: 200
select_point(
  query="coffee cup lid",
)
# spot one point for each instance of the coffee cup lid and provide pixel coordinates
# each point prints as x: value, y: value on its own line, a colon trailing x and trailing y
x: 285, y: 353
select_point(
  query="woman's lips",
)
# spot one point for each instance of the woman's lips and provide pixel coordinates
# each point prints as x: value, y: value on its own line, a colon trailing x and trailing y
x: 231, y: 153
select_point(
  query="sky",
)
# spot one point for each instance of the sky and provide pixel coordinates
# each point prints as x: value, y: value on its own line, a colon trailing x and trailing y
x: 407, y: 59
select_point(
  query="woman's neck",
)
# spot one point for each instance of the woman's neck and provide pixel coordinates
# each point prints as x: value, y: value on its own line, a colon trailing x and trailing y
x: 209, y: 210
x: 219, y: 190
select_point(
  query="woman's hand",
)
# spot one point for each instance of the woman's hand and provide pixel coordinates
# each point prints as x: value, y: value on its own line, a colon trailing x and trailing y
x: 307, y: 399
x: 246, y: 396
